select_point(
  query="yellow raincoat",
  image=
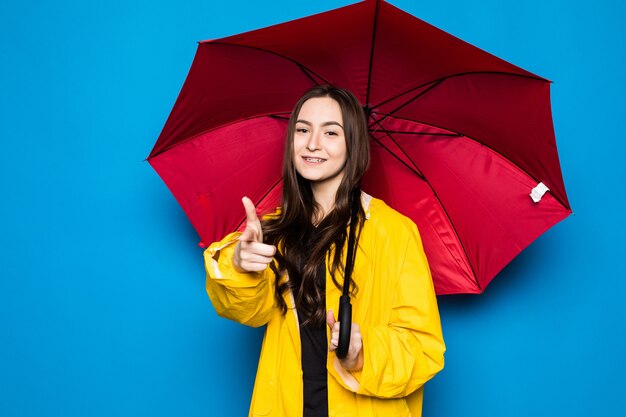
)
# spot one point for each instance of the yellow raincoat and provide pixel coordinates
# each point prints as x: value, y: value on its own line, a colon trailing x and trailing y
x: 395, y: 308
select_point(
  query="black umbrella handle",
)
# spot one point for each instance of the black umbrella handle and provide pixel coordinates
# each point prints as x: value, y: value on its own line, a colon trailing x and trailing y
x: 345, y: 326
x: 345, y: 308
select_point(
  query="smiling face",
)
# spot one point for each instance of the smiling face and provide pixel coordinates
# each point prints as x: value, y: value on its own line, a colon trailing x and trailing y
x: 319, y: 143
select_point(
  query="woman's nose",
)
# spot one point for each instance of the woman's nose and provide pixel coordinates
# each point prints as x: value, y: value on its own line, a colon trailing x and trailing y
x: 314, y: 142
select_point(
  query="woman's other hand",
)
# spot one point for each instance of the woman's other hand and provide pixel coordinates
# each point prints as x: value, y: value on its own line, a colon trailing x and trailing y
x: 354, y: 359
x: 251, y: 254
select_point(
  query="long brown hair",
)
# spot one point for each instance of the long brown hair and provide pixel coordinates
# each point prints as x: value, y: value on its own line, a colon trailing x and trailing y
x: 288, y: 230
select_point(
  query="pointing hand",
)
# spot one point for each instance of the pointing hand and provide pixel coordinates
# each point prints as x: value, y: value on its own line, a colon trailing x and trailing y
x: 251, y: 254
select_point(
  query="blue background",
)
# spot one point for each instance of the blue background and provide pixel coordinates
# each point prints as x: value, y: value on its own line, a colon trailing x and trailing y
x: 102, y: 304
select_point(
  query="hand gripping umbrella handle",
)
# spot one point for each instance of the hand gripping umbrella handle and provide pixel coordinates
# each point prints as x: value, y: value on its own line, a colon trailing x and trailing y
x: 345, y: 326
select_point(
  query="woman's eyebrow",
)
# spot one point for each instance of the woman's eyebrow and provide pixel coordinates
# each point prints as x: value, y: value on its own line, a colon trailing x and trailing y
x: 331, y: 123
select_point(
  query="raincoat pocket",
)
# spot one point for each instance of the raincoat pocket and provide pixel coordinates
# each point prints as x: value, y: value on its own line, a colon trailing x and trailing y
x: 264, y: 397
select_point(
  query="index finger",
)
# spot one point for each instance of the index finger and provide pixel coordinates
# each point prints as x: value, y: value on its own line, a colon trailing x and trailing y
x: 248, y: 205
x: 330, y: 319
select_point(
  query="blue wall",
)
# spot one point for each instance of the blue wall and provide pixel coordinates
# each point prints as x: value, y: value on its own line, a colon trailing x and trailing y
x: 102, y: 303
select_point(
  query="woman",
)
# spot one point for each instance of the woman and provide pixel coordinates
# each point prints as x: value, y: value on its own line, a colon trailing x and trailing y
x: 287, y: 272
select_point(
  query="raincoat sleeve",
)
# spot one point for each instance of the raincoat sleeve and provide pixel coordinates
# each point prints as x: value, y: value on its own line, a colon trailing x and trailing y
x: 245, y: 297
x: 404, y: 353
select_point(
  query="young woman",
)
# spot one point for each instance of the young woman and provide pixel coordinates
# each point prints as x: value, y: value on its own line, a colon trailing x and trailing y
x: 286, y: 272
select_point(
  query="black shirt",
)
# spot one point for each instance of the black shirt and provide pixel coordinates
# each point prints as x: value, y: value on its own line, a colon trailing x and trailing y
x: 314, y: 348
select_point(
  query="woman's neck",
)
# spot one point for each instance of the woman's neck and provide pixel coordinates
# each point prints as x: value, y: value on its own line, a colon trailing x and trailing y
x: 325, y: 199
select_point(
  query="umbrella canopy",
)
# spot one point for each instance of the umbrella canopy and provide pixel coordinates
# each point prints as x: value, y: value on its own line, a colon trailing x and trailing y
x: 459, y: 137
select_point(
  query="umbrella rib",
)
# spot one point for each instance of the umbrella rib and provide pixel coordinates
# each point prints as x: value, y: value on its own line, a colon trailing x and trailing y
x: 258, y: 116
x: 278, y: 116
x: 443, y: 208
x: 261, y: 199
x: 461, y: 74
x: 406, y: 119
x: 460, y: 134
x: 369, y: 72
x: 414, y: 169
x: 307, y: 71
x: 406, y: 103
x: 410, y: 168
x: 403, y: 132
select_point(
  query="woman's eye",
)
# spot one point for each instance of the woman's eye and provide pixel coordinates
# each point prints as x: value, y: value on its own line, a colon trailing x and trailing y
x: 331, y: 133
x: 302, y: 130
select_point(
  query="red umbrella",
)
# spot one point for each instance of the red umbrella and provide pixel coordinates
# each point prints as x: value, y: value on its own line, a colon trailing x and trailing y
x: 460, y: 138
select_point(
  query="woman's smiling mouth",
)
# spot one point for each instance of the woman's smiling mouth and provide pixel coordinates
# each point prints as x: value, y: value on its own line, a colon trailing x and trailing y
x: 313, y: 160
